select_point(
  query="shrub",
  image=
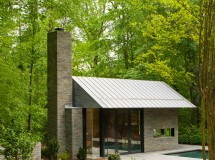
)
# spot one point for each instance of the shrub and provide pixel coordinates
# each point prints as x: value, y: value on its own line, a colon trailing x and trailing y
x: 53, y: 147
x: 82, y: 154
x: 64, y: 156
x: 44, y: 152
x: 196, y: 139
x: 184, y: 139
x: 16, y: 143
x: 191, y: 135
x: 115, y: 156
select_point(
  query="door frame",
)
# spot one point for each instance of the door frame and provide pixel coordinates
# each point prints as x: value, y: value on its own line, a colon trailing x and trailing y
x: 102, y: 130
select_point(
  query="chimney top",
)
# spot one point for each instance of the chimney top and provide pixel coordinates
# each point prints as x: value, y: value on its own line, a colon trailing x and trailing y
x: 59, y: 29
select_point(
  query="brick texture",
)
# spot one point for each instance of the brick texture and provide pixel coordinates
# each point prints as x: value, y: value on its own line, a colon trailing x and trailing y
x: 59, y: 83
x: 160, y: 119
x: 74, y: 130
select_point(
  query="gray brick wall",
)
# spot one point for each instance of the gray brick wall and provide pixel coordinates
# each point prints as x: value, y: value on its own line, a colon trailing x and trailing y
x: 77, y: 130
x: 74, y: 130
x: 68, y: 133
x: 160, y: 119
x: 59, y: 83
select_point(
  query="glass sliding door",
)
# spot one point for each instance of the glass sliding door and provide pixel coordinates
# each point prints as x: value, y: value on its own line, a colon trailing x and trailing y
x: 123, y: 131
x: 92, y: 132
x: 135, y: 131
x: 110, y: 132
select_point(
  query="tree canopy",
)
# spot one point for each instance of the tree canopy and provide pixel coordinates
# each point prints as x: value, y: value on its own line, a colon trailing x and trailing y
x: 136, y: 39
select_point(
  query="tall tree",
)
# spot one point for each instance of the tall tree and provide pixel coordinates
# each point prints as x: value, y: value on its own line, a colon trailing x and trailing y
x: 88, y: 22
x: 207, y: 73
x: 23, y: 47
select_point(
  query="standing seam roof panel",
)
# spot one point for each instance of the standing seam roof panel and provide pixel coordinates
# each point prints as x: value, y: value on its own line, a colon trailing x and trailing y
x: 85, y: 86
x: 122, y: 87
x: 114, y: 93
x: 121, y: 93
x: 136, y: 90
x: 96, y: 89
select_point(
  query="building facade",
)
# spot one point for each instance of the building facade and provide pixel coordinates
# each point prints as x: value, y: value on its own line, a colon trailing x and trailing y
x: 107, y: 115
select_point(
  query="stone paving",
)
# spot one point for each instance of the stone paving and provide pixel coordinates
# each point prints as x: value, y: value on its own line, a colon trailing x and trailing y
x: 160, y: 155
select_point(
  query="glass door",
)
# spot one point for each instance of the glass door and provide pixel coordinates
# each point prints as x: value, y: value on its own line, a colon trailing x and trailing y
x: 135, y: 131
x: 92, y: 132
x: 122, y: 131
x: 110, y: 132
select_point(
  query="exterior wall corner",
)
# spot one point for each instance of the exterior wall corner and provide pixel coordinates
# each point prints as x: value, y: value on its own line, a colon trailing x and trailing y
x: 160, y: 119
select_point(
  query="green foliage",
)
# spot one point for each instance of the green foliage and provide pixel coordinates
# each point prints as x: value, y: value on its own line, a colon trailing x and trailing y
x: 44, y: 152
x: 195, y: 138
x: 115, y: 156
x: 11, y: 94
x: 52, y: 148
x: 149, y: 40
x: 82, y: 154
x: 154, y: 71
x: 16, y: 143
x: 184, y: 139
x: 190, y: 135
x: 64, y: 156
x: 22, y: 68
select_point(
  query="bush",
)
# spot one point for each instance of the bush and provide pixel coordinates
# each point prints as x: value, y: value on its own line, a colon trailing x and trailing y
x: 44, y: 152
x: 64, y: 156
x: 191, y: 139
x: 196, y: 139
x: 191, y: 135
x: 82, y: 154
x: 53, y: 147
x: 16, y: 143
x: 184, y: 139
x: 115, y: 156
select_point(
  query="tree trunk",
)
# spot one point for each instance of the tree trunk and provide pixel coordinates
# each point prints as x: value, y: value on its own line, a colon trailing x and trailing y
x: 207, y: 73
x: 203, y: 128
x: 211, y: 129
x: 30, y: 96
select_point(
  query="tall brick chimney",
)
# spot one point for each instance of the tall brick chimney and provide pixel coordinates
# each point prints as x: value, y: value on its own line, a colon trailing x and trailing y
x: 59, y: 83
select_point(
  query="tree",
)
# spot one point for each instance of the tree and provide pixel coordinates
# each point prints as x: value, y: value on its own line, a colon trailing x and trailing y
x: 23, y: 66
x: 31, y: 61
x: 207, y: 73
x: 150, y: 39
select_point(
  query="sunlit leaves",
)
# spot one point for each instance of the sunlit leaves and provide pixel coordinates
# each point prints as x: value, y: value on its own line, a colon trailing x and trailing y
x: 12, y: 104
x: 138, y: 39
x: 151, y: 71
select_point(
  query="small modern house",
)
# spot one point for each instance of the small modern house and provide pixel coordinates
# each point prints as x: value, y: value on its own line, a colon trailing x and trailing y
x: 106, y: 115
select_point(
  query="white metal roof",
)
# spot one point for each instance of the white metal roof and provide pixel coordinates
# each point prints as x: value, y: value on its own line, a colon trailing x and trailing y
x: 126, y: 93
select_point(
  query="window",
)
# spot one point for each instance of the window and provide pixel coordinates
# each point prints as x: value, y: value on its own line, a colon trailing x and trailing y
x: 92, y: 132
x: 167, y: 132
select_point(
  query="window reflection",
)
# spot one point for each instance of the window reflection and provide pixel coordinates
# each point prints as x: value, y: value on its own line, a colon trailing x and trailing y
x: 92, y: 132
x: 109, y: 132
x: 167, y: 132
x: 121, y: 131
x: 135, y: 131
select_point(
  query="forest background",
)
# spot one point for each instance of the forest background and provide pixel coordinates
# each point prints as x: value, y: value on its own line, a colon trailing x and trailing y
x: 136, y: 39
